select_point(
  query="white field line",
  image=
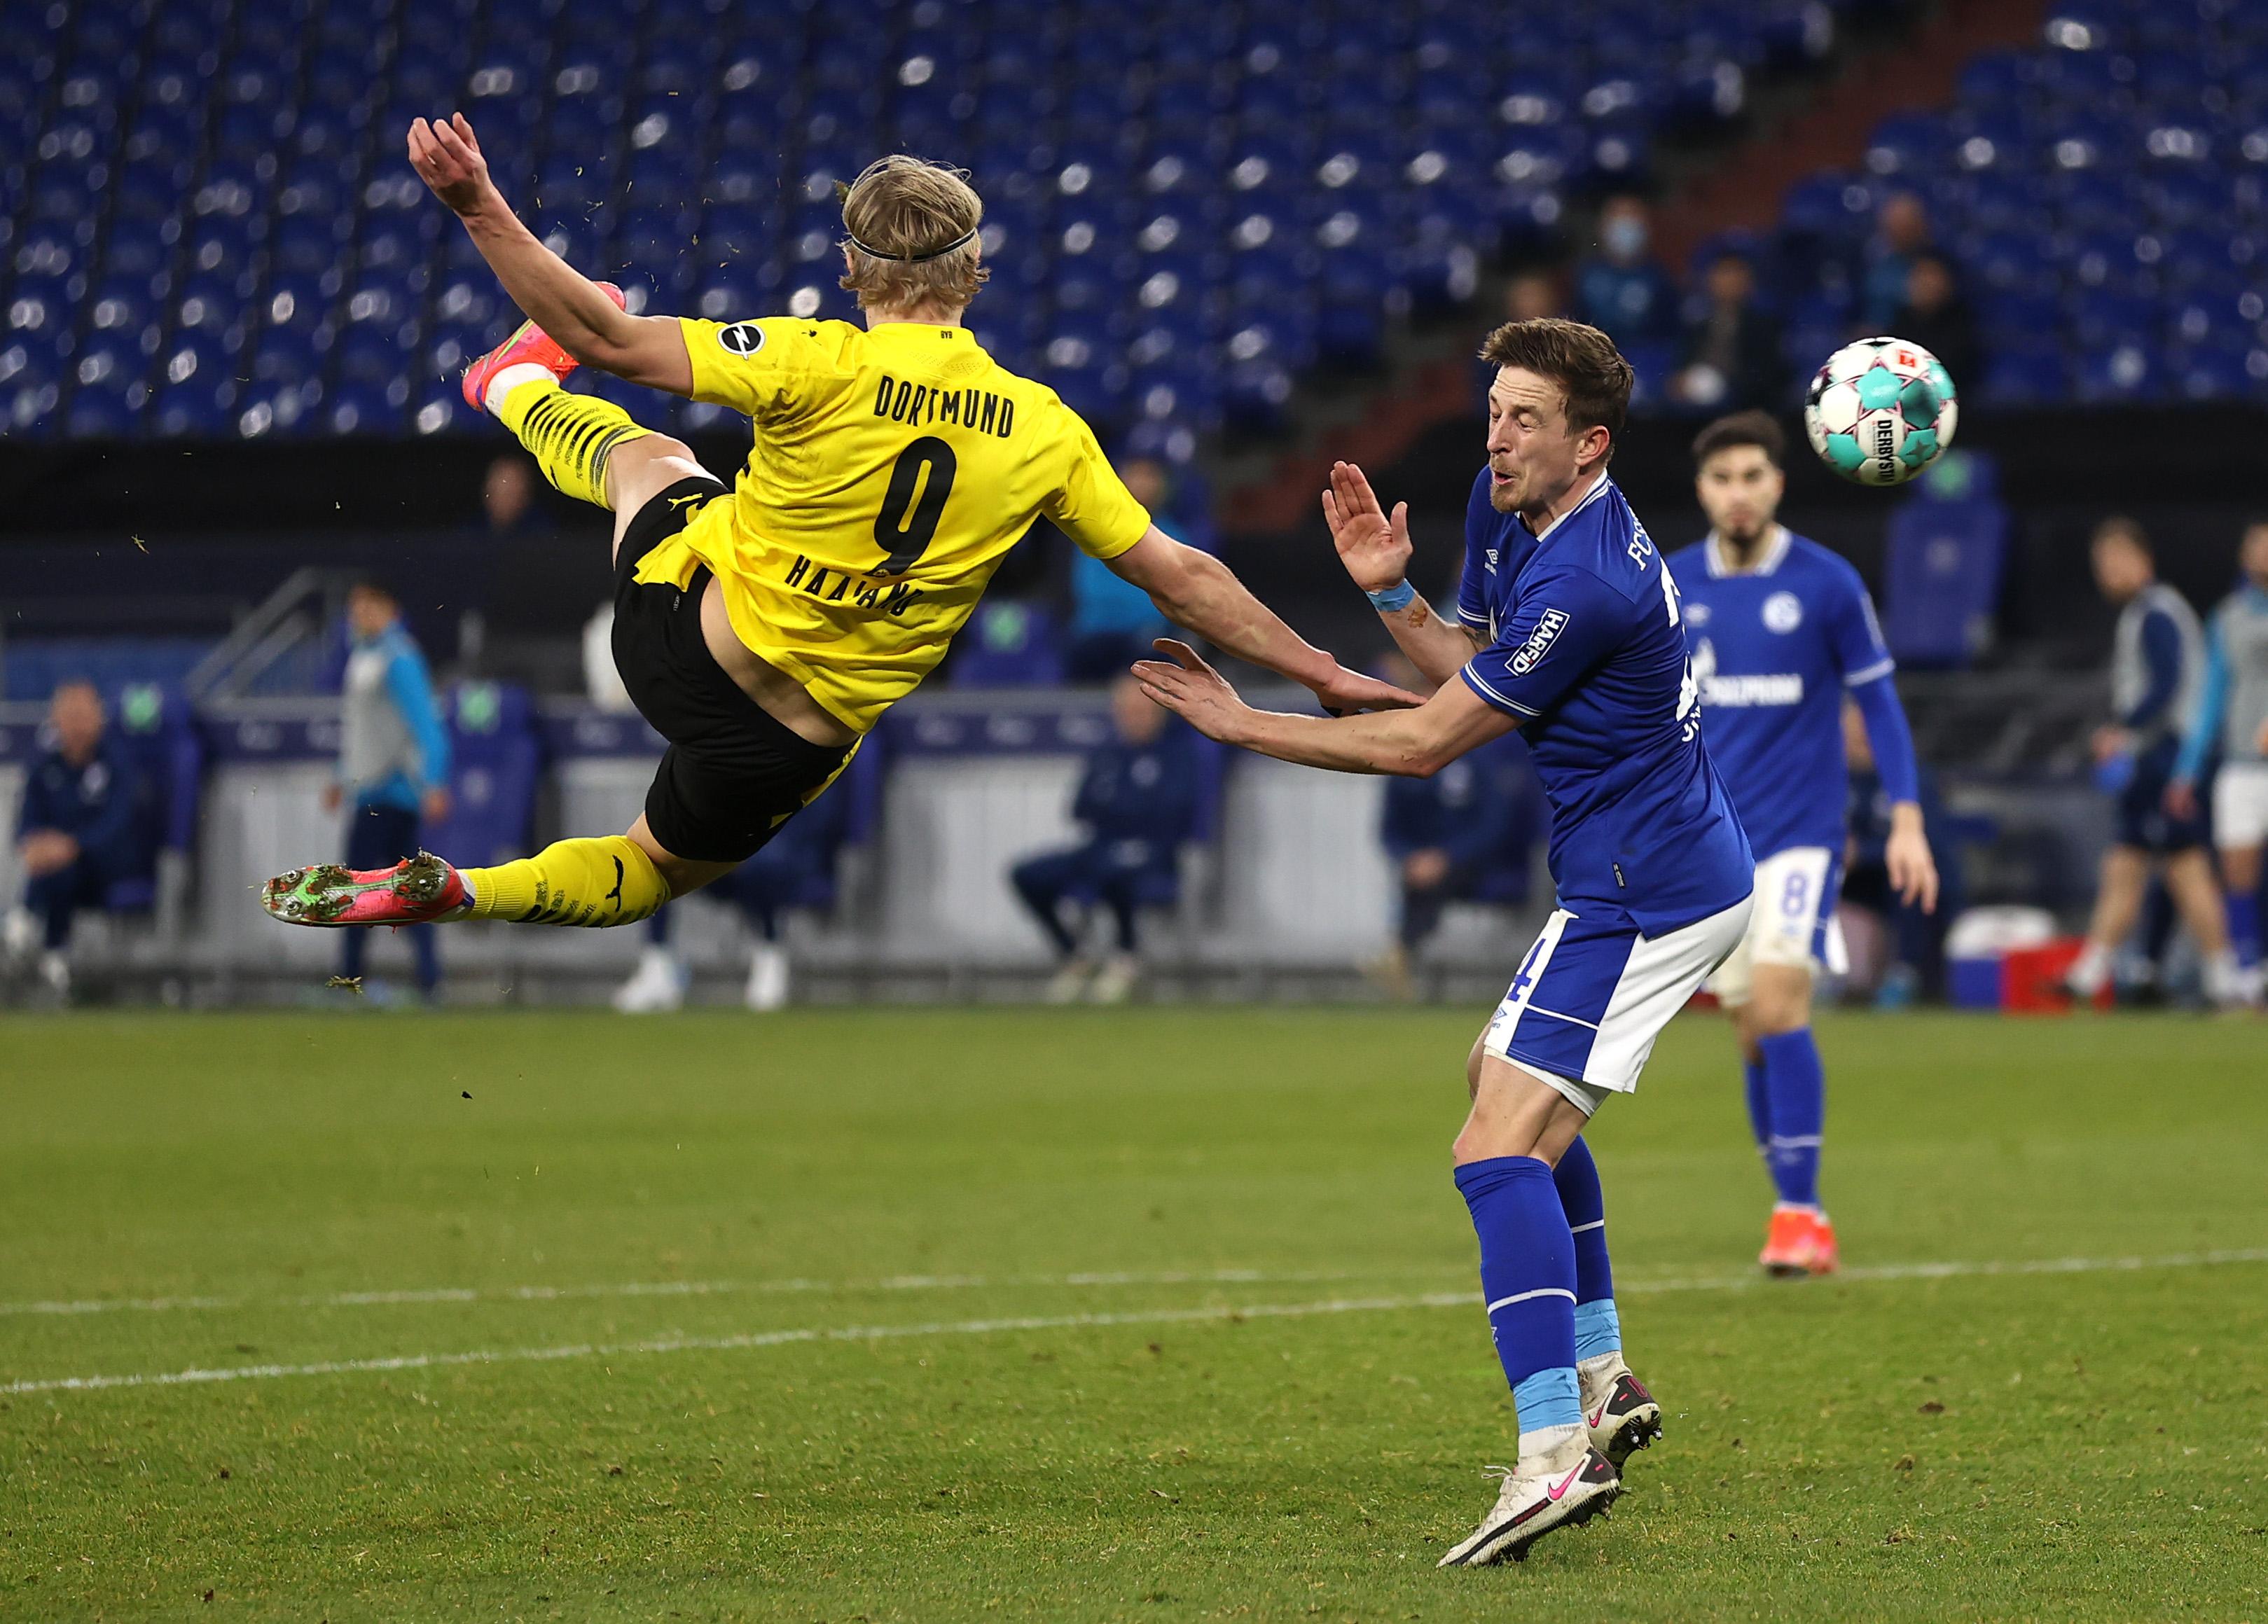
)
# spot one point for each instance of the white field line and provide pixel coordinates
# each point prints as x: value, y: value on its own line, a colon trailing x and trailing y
x: 694, y: 1288
x: 1049, y: 1322
x: 753, y: 1339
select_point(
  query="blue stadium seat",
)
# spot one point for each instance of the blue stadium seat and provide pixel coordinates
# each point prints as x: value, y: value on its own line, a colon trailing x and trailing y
x: 1945, y: 556
x: 2102, y: 316
x: 1008, y: 643
x: 287, y: 355
x: 279, y: 410
x: 151, y: 725
x: 438, y: 408
x: 2026, y: 377
x: 2130, y: 372
x: 496, y: 763
x: 197, y: 406
x: 301, y: 301
x: 239, y: 143
x: 2229, y: 370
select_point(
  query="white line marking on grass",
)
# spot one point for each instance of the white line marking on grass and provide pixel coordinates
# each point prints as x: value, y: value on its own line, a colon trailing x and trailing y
x: 753, y: 1339
x: 416, y: 1295
x: 1050, y: 1322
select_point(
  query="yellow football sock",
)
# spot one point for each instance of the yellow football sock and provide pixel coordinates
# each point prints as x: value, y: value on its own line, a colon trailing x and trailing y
x: 606, y: 881
x: 570, y: 435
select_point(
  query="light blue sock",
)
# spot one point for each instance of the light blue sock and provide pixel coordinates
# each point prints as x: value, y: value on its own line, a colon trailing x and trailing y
x: 1548, y: 1399
x: 1598, y: 1329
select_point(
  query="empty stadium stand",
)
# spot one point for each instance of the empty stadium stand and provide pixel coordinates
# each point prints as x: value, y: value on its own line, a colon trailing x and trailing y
x: 210, y: 230
x: 2105, y: 193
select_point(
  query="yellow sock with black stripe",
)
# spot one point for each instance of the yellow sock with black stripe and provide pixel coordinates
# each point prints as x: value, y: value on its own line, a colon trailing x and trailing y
x: 606, y: 881
x: 569, y: 435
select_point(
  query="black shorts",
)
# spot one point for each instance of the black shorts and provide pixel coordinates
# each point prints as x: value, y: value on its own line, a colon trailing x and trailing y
x: 2142, y: 819
x: 731, y: 775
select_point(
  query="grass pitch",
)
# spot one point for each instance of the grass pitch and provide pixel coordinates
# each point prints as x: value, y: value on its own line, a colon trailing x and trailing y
x: 1158, y: 1314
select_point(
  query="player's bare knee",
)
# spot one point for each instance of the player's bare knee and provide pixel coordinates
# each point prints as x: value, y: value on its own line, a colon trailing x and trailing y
x: 1780, y: 1001
x: 641, y: 469
x: 1770, y: 1017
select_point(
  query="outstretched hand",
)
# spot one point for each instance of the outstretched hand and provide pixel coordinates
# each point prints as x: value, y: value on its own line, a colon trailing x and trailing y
x: 1373, y: 547
x: 1345, y: 690
x: 1192, y: 690
x: 447, y: 159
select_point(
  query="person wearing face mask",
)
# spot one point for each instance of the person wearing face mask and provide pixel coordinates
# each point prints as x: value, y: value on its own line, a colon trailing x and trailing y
x: 1902, y: 235
x: 1621, y: 291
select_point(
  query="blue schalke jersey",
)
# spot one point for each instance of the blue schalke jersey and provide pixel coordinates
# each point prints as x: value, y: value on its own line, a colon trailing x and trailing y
x: 1588, y: 652
x: 1774, y: 648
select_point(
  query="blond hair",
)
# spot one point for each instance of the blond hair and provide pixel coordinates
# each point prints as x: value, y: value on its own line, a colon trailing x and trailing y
x: 912, y: 234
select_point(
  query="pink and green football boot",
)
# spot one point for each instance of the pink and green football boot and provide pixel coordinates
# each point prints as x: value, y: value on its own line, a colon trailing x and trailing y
x: 413, y: 892
x: 529, y: 345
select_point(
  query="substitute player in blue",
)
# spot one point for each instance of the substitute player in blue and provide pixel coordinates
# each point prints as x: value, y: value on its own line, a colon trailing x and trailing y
x: 1781, y: 629
x: 1567, y: 628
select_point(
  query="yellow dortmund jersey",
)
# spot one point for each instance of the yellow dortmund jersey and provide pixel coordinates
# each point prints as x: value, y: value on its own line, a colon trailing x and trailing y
x: 892, y: 471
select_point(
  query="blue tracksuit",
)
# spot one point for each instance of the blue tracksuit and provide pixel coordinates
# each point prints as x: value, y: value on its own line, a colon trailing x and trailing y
x: 1139, y: 804
x: 1483, y: 811
x: 100, y: 805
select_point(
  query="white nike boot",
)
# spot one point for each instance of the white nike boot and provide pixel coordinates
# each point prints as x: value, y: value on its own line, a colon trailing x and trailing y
x: 1530, y: 1506
x: 1620, y: 1414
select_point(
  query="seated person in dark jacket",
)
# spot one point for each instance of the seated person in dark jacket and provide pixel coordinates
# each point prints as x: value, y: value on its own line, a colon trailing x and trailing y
x: 1475, y: 818
x: 1936, y: 316
x: 1137, y: 797
x: 1918, y: 939
x: 1732, y: 355
x: 82, y: 826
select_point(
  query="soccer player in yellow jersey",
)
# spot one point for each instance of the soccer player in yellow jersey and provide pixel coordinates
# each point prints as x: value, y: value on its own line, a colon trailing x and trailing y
x: 763, y: 630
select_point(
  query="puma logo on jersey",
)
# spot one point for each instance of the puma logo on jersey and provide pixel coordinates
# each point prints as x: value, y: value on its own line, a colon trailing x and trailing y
x: 1539, y: 642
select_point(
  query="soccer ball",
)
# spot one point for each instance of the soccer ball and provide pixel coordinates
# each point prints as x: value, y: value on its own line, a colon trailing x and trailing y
x: 1879, y: 411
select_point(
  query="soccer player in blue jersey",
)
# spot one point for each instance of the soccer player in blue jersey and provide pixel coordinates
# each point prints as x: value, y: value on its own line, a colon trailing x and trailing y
x: 1781, y: 630
x: 1568, y: 627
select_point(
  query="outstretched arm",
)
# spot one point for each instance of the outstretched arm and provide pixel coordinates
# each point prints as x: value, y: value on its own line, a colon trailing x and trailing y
x: 1375, y: 549
x: 557, y: 296
x: 1414, y: 744
x: 1197, y: 591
